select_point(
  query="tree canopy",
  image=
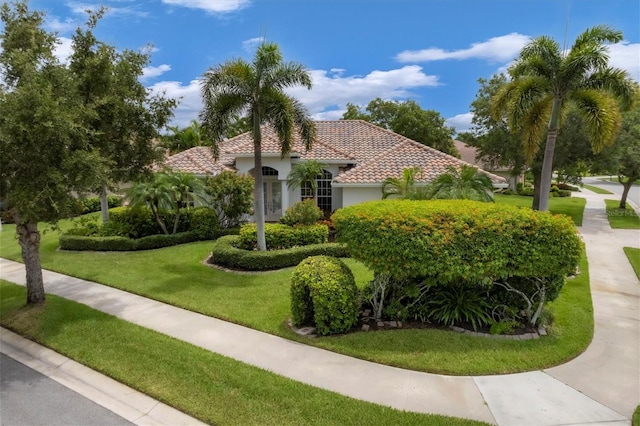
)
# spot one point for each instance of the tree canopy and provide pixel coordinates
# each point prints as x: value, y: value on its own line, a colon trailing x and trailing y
x: 237, y: 87
x: 546, y: 80
x: 407, y: 119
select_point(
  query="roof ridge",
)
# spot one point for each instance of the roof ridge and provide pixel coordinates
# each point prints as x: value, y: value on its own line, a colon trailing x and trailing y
x: 332, y: 148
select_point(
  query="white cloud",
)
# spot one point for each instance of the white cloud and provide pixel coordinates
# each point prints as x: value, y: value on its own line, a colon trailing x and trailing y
x: 461, y: 122
x: 326, y: 101
x: 152, y: 72
x: 188, y: 97
x: 211, y: 6
x: 81, y: 8
x: 332, y: 91
x: 498, y: 49
x: 55, y: 24
x: 63, y: 49
x: 626, y: 56
x: 251, y: 44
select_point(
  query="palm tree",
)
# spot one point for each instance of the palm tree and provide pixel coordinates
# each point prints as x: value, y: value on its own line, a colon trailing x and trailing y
x: 546, y: 80
x: 466, y: 183
x: 306, y: 173
x: 155, y: 195
x: 402, y: 187
x: 183, y: 139
x: 185, y: 190
x: 257, y: 88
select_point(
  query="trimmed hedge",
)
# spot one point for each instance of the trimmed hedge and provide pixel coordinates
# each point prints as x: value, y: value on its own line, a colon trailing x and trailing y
x: 225, y: 253
x: 81, y: 243
x: 451, y: 240
x: 323, y: 288
x: 279, y: 236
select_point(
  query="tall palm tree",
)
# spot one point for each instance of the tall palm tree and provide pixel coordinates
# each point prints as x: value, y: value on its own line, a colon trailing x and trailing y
x: 237, y: 87
x: 546, y: 79
x: 404, y: 187
x: 306, y: 173
x: 466, y: 183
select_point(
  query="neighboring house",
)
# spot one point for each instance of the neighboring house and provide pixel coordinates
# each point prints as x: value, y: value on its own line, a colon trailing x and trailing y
x: 470, y: 155
x: 358, y: 155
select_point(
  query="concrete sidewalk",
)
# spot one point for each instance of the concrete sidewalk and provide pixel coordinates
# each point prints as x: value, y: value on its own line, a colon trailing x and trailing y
x: 600, y: 386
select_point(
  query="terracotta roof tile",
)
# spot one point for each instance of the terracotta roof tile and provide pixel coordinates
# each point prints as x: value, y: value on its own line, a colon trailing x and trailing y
x: 377, y: 153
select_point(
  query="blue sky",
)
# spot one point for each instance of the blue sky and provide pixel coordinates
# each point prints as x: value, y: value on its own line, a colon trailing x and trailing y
x: 429, y: 51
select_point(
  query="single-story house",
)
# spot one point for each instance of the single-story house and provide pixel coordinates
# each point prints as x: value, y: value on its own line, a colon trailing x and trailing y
x: 358, y: 156
x: 470, y: 155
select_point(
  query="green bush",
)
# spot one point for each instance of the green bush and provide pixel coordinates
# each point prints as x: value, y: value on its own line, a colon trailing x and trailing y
x: 459, y: 305
x: 231, y: 196
x: 526, y: 191
x: 564, y: 193
x: 132, y: 222
x: 225, y: 253
x: 203, y: 222
x: 458, y: 240
x: 324, y: 288
x: 92, y: 204
x: 302, y: 213
x: 279, y: 236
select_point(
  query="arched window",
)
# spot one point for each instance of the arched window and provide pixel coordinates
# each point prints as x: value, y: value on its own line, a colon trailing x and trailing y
x: 269, y: 171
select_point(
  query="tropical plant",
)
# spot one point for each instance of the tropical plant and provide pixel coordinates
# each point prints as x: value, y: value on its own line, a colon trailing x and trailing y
x: 460, y: 304
x: 546, y: 80
x: 183, y: 139
x: 302, y: 213
x: 154, y: 194
x: 186, y: 190
x: 237, y: 86
x: 404, y: 187
x: 465, y: 183
x: 305, y: 175
x: 230, y: 195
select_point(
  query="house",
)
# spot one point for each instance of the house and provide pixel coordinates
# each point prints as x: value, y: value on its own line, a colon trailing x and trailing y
x: 470, y: 155
x: 358, y: 156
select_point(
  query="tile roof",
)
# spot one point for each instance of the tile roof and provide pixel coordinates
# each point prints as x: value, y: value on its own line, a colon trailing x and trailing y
x: 377, y: 153
x: 469, y: 153
x: 404, y: 155
x: 199, y: 160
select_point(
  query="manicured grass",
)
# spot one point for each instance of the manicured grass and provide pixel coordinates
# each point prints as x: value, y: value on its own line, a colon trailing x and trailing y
x: 177, y: 276
x: 213, y: 388
x: 570, y: 206
x: 633, y: 254
x: 596, y: 189
x: 621, y: 218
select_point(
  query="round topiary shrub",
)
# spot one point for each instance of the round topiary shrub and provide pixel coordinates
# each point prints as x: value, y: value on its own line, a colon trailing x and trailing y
x: 324, y: 293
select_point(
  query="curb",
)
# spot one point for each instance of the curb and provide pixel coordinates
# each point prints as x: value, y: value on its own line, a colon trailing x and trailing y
x: 122, y: 400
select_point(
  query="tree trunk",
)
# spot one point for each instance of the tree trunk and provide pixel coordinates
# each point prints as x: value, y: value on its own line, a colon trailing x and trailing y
x: 29, y: 239
x: 625, y: 192
x: 104, y: 204
x: 258, y: 192
x: 547, y: 162
x: 536, y: 188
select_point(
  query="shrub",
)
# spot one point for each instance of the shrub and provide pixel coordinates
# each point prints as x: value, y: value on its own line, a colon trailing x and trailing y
x: 564, y: 193
x: 302, y: 213
x: 324, y: 288
x: 231, y: 196
x: 132, y: 222
x: 279, y: 236
x: 225, y: 253
x: 526, y: 191
x: 458, y: 240
x: 92, y: 204
x: 203, y: 222
x: 460, y: 304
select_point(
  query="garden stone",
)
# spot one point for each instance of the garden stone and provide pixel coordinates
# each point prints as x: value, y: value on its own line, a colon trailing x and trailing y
x: 365, y: 327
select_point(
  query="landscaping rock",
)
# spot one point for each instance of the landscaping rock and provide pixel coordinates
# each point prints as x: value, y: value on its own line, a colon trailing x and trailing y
x: 365, y: 327
x: 393, y: 324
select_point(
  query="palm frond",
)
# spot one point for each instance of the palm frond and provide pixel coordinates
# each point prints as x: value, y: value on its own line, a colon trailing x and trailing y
x: 617, y: 82
x: 601, y: 116
x: 598, y: 34
x: 534, y: 125
x: 288, y: 75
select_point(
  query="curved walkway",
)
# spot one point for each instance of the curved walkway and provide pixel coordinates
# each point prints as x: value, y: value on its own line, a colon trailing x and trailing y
x: 600, y: 386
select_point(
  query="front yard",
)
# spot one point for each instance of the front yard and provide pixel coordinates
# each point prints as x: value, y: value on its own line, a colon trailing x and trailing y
x: 176, y: 275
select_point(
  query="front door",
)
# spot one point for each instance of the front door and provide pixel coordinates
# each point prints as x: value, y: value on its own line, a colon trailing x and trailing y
x: 272, y: 200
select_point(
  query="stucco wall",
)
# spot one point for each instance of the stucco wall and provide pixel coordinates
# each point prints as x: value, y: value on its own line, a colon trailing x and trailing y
x: 355, y: 195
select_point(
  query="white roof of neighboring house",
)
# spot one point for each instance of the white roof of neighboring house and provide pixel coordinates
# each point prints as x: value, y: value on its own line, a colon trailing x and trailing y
x: 369, y: 153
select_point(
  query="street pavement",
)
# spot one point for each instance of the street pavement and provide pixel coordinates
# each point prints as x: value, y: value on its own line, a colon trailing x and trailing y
x: 28, y: 397
x: 601, y: 386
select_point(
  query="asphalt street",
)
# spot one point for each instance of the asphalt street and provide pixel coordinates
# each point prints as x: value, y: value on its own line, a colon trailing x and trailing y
x: 615, y: 187
x: 30, y: 398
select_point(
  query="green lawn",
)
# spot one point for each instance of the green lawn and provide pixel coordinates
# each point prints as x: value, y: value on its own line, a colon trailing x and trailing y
x: 176, y: 275
x: 570, y: 206
x: 596, y: 189
x: 213, y: 388
x: 633, y: 254
x: 621, y: 218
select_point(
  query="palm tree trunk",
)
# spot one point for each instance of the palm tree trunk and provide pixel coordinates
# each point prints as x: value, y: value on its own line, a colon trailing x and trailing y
x: 547, y: 162
x: 258, y: 192
x: 104, y: 204
x: 29, y: 239
x: 625, y: 191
